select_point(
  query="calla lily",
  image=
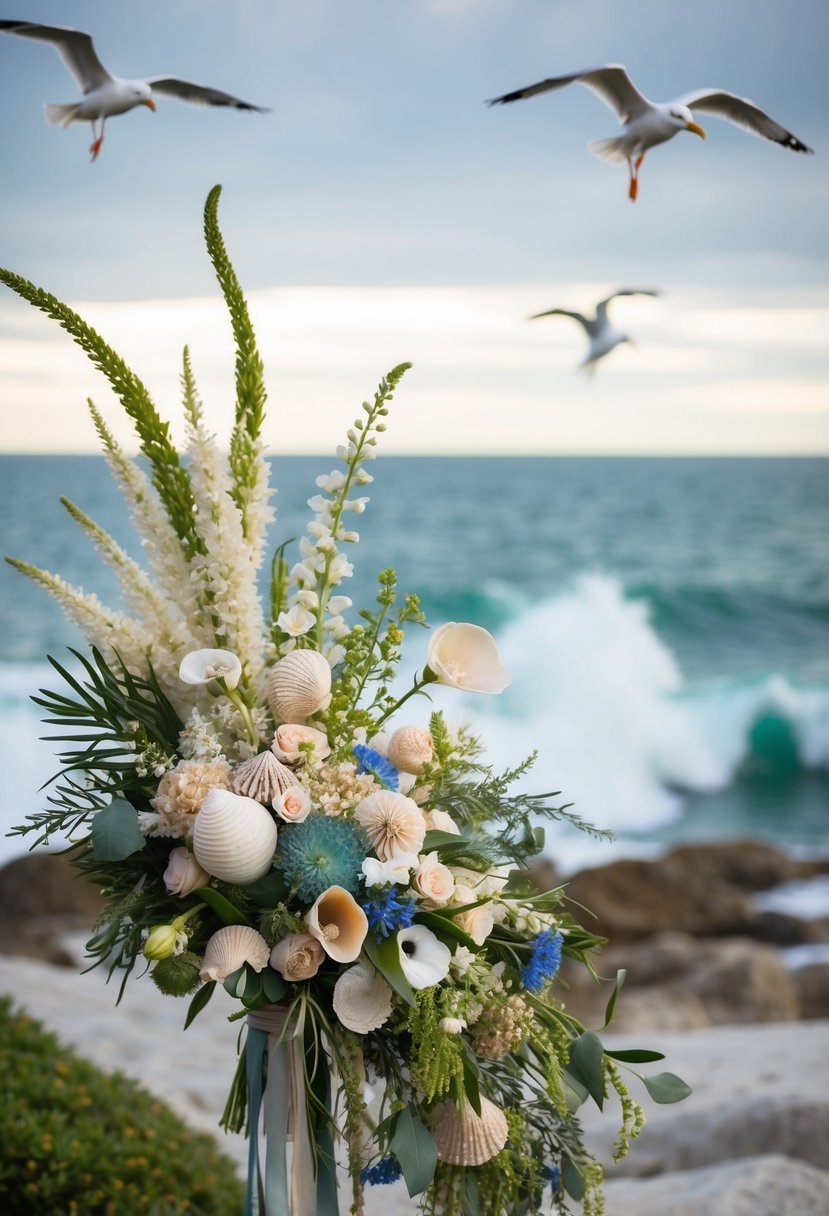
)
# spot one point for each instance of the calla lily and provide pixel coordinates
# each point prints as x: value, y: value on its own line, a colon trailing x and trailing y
x: 466, y: 657
x: 424, y: 959
x: 202, y: 666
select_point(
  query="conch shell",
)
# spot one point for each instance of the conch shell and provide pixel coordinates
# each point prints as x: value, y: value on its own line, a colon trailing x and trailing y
x: 263, y: 778
x: 411, y: 749
x: 229, y: 948
x: 339, y: 923
x: 362, y: 999
x: 299, y: 685
x: 234, y: 838
x: 466, y: 1138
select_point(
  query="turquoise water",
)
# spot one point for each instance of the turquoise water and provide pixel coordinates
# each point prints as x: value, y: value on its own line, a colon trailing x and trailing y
x: 666, y: 620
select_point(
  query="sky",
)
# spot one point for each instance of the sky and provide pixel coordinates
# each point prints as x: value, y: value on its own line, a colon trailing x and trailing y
x: 382, y: 212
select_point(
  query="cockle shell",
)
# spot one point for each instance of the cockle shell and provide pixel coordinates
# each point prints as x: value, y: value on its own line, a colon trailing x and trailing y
x: 234, y: 838
x: 362, y: 999
x: 299, y: 685
x: 263, y: 778
x: 229, y: 948
x: 466, y: 1138
x: 338, y: 922
x: 411, y: 749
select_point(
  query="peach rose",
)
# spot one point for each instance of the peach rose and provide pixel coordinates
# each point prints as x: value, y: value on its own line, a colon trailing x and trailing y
x: 183, y: 873
x: 434, y: 880
x: 293, y: 805
x: 290, y: 735
x: 477, y: 922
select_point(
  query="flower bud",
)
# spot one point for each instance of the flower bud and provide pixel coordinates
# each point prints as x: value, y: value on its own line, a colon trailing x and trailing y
x: 161, y: 943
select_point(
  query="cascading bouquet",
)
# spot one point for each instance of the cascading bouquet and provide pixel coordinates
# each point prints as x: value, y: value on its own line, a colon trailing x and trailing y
x: 242, y: 787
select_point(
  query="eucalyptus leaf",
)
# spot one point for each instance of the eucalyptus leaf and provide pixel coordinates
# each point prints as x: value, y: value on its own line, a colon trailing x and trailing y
x: 436, y: 840
x: 273, y: 986
x: 470, y: 1083
x: 115, y: 833
x: 227, y: 912
x: 575, y: 1092
x: 269, y: 891
x: 571, y: 1179
x: 445, y: 928
x: 585, y: 1064
x: 415, y: 1149
x: 199, y: 1001
x: 666, y: 1088
x: 385, y: 956
x: 614, y: 996
x: 471, y: 1202
x: 234, y: 984
x: 635, y: 1055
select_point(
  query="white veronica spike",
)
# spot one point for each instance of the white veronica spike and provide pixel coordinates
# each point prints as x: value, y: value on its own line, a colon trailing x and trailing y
x: 105, y: 95
x: 648, y: 123
x: 603, y: 337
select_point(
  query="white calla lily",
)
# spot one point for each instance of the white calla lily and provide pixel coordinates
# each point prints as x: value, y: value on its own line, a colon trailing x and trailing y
x: 424, y: 960
x: 202, y: 666
x: 466, y: 657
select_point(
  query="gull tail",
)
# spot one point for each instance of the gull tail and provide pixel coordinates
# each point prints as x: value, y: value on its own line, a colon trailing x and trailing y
x: 62, y: 116
x: 612, y: 150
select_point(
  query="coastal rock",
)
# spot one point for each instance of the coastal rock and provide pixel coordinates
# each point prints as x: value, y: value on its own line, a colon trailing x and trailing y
x: 751, y: 864
x: 811, y: 985
x: 769, y: 1185
x: 42, y: 898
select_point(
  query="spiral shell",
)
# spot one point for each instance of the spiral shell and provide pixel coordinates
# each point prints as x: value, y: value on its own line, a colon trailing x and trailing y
x: 299, y: 685
x: 410, y: 749
x: 229, y: 948
x: 234, y: 838
x: 466, y: 1138
x: 263, y: 778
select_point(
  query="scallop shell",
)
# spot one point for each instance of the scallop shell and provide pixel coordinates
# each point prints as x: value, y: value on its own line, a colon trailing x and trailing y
x: 229, y: 948
x: 299, y: 685
x: 234, y: 838
x: 362, y: 999
x: 466, y: 1138
x: 263, y: 778
x: 410, y: 749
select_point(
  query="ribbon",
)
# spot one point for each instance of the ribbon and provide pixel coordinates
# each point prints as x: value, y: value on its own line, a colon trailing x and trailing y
x: 313, y: 1192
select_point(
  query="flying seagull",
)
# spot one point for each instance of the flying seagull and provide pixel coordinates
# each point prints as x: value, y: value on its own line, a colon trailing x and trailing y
x: 105, y: 95
x: 602, y: 336
x: 648, y: 123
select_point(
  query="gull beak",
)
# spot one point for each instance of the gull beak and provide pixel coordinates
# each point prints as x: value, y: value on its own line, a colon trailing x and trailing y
x: 696, y: 128
x: 149, y: 103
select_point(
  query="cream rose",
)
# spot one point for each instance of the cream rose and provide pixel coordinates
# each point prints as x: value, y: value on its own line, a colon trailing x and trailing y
x: 293, y: 804
x: 477, y: 922
x: 434, y: 880
x: 288, y: 738
x: 439, y: 821
x: 183, y: 873
x: 297, y: 957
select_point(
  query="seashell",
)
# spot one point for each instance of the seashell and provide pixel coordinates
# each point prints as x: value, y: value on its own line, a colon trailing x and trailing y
x: 299, y: 685
x: 339, y: 923
x: 362, y: 999
x: 263, y: 778
x: 466, y: 1138
x: 234, y: 838
x: 229, y: 948
x: 410, y: 749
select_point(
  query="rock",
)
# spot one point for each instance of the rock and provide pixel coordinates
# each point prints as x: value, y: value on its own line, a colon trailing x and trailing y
x: 811, y: 986
x: 770, y: 1185
x: 43, y: 897
x: 748, y: 863
x: 742, y: 981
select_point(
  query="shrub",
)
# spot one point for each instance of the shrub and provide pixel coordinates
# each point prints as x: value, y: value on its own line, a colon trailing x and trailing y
x: 76, y: 1141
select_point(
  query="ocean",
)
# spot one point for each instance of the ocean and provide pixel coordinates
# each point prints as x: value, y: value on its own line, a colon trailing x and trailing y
x: 666, y: 622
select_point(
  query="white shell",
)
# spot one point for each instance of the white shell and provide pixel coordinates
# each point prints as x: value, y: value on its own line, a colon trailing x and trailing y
x: 466, y: 1139
x: 234, y: 838
x: 263, y: 778
x: 229, y: 948
x: 410, y: 749
x: 362, y: 999
x: 299, y: 685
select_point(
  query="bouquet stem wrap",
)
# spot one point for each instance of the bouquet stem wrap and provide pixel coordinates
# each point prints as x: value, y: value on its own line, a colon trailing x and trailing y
x: 277, y: 1092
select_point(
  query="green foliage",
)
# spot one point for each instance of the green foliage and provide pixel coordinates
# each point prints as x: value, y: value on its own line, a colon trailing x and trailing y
x: 79, y: 1142
x: 415, y: 1149
x: 436, y: 1058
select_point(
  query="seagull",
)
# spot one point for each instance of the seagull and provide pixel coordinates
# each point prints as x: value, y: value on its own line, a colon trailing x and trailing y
x: 648, y: 123
x: 603, y: 337
x: 105, y: 95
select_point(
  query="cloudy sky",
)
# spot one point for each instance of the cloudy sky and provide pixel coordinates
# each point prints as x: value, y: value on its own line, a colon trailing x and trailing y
x: 382, y: 212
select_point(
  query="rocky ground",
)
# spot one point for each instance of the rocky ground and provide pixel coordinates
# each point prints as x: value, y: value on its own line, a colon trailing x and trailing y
x: 709, y: 983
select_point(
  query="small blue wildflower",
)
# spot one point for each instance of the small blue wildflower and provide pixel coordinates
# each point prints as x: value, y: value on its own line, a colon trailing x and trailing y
x: 376, y: 765
x: 552, y: 1174
x: 321, y: 852
x: 386, y: 1170
x: 544, y: 960
x: 386, y: 913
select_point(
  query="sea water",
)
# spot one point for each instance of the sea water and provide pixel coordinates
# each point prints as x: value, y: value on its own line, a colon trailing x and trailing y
x: 665, y: 621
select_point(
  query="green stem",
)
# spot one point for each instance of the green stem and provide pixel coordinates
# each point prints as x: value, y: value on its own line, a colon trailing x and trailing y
x: 234, y: 696
x: 428, y: 677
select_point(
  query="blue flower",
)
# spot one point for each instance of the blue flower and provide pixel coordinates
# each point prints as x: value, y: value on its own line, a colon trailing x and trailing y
x: 321, y: 852
x: 386, y: 1170
x: 552, y: 1174
x: 544, y: 961
x: 386, y: 913
x: 376, y: 764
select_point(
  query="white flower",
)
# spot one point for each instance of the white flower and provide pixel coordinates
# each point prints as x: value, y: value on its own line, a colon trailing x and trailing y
x: 434, y: 880
x: 451, y: 1025
x: 395, y: 870
x: 338, y: 603
x: 466, y: 657
x: 183, y: 873
x: 202, y: 666
x: 462, y: 960
x: 439, y: 821
x: 293, y: 804
x: 296, y: 621
x: 289, y: 736
x: 424, y: 960
x: 331, y: 482
x: 477, y: 922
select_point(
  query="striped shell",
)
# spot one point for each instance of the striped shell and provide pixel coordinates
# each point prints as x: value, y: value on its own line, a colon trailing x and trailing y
x: 299, y: 685
x: 263, y: 778
x: 229, y: 948
x: 362, y: 999
x: 466, y: 1138
x: 234, y: 838
x: 410, y: 749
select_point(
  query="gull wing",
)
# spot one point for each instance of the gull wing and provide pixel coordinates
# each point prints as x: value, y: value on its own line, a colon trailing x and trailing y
x: 601, y: 307
x: 198, y: 94
x: 587, y: 325
x: 611, y: 83
x: 74, y: 47
x: 743, y: 113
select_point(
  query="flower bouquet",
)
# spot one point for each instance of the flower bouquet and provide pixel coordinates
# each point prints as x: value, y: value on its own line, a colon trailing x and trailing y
x: 262, y: 814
